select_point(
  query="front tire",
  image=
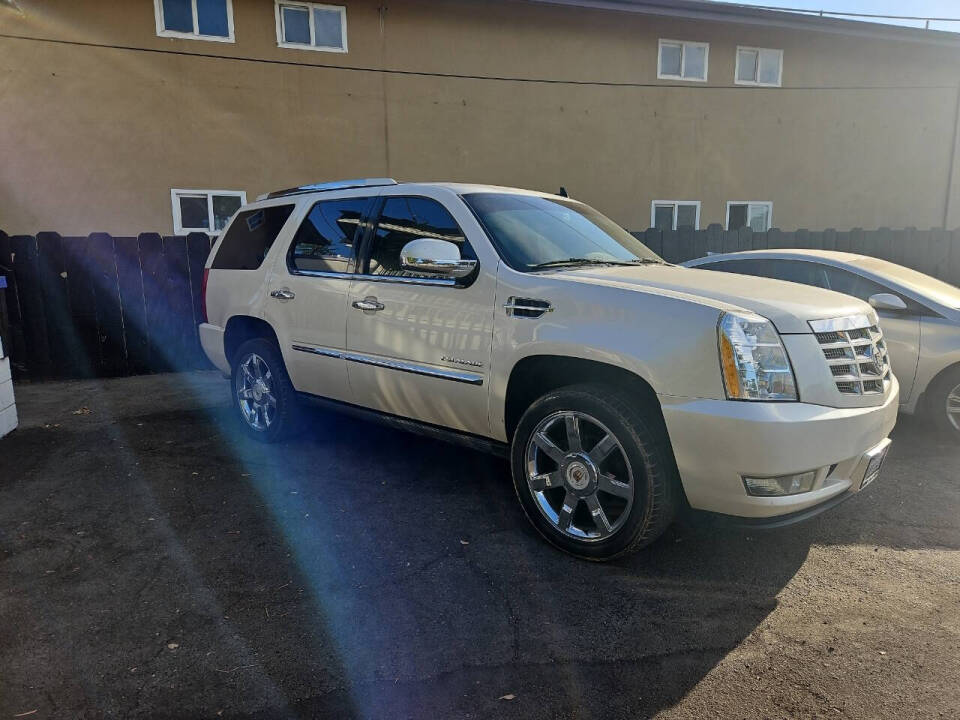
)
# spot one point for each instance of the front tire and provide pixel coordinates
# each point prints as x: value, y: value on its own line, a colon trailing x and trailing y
x: 944, y: 403
x: 594, y: 473
x: 263, y: 395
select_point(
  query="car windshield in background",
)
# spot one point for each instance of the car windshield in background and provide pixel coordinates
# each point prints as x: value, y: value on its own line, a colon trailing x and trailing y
x: 920, y: 283
x: 538, y: 233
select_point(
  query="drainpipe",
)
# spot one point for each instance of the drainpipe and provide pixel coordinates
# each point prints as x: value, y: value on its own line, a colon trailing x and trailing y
x: 953, y: 159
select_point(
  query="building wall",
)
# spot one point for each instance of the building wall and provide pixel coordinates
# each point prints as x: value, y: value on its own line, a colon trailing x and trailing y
x: 97, y: 127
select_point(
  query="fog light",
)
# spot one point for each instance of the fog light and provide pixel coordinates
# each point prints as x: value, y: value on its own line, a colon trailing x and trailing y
x: 783, y: 485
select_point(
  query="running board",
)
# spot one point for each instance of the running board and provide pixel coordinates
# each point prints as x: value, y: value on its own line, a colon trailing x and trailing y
x: 474, y: 442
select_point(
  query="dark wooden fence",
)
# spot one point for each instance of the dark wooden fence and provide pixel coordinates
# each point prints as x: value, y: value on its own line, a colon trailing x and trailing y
x: 935, y: 252
x: 101, y: 305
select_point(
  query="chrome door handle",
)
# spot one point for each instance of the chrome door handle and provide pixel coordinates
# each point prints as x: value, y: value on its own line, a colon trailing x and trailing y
x: 283, y: 294
x: 369, y: 304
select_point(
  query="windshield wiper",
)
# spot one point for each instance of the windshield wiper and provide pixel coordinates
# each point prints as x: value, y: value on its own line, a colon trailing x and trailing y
x: 591, y: 261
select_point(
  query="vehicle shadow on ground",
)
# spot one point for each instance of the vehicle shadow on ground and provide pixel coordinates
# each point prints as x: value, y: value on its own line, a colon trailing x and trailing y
x: 170, y: 567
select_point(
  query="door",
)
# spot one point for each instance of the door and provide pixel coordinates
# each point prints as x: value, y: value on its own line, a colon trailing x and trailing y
x: 308, y: 296
x: 419, y: 345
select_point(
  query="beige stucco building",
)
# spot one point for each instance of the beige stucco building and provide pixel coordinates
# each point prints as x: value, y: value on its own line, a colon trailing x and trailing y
x: 109, y: 107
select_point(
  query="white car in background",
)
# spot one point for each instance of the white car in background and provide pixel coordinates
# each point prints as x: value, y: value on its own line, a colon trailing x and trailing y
x: 919, y: 314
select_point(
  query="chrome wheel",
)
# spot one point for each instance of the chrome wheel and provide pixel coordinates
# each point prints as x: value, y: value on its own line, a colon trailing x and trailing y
x: 953, y: 407
x: 579, y: 475
x: 255, y: 394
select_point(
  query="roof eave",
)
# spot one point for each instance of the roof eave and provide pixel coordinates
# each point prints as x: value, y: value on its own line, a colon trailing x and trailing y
x: 743, y: 14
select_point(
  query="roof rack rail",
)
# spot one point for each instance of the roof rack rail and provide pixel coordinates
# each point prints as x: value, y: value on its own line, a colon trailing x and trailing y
x: 328, y: 186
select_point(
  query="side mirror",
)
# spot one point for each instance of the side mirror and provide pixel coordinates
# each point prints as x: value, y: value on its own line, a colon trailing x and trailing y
x: 436, y: 257
x: 887, y: 301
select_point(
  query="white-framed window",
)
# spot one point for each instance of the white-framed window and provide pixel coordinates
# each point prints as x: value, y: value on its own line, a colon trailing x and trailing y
x: 683, y: 60
x: 206, y: 211
x: 758, y: 215
x: 311, y: 26
x: 675, y: 214
x: 758, y: 66
x: 195, y: 19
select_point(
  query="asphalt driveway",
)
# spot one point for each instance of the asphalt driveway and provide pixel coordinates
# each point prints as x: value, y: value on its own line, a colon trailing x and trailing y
x: 154, y: 563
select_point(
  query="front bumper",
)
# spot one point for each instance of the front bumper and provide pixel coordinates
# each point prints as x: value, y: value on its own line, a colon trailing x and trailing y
x: 717, y: 442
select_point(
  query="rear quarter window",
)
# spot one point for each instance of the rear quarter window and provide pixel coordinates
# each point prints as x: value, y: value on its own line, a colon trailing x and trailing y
x: 249, y: 238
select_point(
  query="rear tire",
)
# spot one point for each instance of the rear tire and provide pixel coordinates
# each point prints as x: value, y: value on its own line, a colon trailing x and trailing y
x: 944, y: 396
x: 263, y: 395
x: 594, y: 473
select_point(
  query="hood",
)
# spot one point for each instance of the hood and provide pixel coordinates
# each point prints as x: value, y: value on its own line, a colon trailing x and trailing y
x: 788, y: 305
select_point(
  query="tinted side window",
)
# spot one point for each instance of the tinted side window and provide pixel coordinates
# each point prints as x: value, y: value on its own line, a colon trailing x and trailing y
x: 325, y: 239
x: 407, y: 218
x: 799, y: 271
x: 850, y: 283
x: 249, y: 238
x: 741, y: 267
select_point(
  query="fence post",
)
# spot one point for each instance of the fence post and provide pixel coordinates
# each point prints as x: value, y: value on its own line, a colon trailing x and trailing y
x: 653, y: 239
x: 30, y: 294
x: 156, y: 311
x: 198, y: 248
x: 715, y: 238
x: 56, y: 303
x: 126, y: 256
x: 830, y: 239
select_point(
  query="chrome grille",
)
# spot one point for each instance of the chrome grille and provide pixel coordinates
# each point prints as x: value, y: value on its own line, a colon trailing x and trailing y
x: 855, y: 353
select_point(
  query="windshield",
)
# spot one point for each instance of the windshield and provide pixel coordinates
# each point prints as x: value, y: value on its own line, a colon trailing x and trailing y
x: 537, y: 233
x: 915, y: 281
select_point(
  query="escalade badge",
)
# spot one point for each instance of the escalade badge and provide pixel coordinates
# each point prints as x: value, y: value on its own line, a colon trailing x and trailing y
x: 459, y: 361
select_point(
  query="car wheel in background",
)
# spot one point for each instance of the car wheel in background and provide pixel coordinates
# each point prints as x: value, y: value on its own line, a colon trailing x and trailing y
x: 944, y: 402
x: 262, y: 393
x: 593, y: 473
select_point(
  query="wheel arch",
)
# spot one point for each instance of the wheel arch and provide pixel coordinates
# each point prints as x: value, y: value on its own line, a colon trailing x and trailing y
x: 241, y: 328
x: 925, y: 398
x: 535, y: 375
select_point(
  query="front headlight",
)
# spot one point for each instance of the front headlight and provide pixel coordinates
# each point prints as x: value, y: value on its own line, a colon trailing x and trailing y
x: 753, y: 360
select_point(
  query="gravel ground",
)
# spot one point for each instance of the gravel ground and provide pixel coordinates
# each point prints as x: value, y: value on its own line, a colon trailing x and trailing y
x: 153, y: 564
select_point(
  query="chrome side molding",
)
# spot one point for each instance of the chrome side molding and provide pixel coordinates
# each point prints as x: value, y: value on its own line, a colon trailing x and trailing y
x: 393, y: 364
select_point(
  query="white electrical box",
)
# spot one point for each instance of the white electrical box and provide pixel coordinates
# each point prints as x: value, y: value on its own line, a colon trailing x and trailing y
x: 8, y: 409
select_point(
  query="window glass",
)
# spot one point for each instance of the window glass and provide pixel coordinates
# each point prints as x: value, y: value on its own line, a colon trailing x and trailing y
x: 770, y: 67
x: 918, y: 282
x: 224, y: 206
x: 529, y: 231
x: 747, y: 65
x: 686, y: 216
x: 325, y: 239
x: 758, y: 268
x: 695, y: 62
x: 327, y: 29
x: 663, y: 217
x: 798, y: 271
x: 296, y: 25
x: 407, y: 218
x: 670, y: 58
x: 212, y: 18
x: 249, y: 238
x: 178, y: 15
x: 759, y: 217
x: 193, y: 212
x: 755, y: 215
x: 850, y: 283
x: 736, y: 217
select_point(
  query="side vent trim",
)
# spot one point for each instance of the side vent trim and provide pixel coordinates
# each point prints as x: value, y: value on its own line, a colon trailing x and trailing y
x: 520, y: 307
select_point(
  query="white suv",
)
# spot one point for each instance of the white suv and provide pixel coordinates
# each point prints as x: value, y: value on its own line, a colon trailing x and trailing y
x: 622, y: 388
